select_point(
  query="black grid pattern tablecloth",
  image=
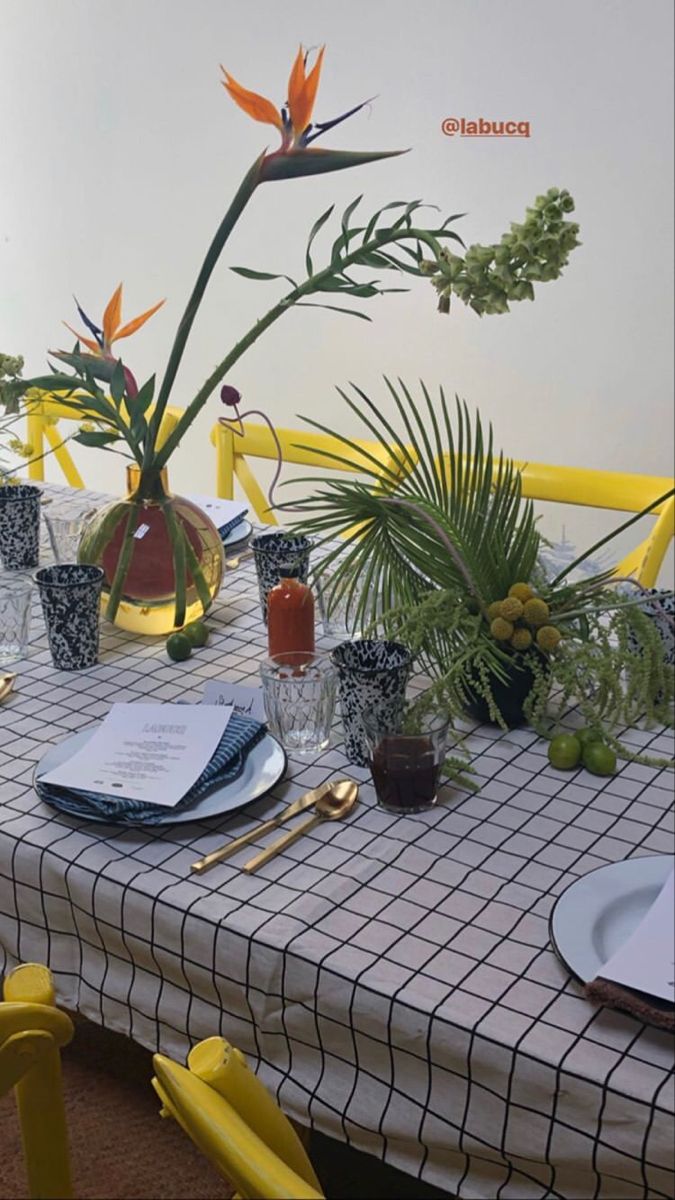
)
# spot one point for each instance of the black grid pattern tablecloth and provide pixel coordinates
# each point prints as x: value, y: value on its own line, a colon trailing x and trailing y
x: 391, y: 978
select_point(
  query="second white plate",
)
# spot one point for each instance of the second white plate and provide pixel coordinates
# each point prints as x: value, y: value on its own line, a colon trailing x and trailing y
x: 597, y: 913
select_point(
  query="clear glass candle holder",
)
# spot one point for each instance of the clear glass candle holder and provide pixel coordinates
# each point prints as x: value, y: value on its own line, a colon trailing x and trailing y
x: 15, y: 604
x: 299, y: 693
x: 406, y: 766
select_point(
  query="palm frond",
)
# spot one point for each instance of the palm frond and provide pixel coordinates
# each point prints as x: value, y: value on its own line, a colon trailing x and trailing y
x: 435, y: 510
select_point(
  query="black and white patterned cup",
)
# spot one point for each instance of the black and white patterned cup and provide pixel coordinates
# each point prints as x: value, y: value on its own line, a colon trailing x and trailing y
x: 70, y: 594
x: 271, y: 552
x: 19, y: 526
x: 372, y: 676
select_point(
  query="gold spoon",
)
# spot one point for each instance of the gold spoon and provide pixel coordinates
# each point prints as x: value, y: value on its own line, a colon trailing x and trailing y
x: 334, y: 804
x: 6, y: 685
x: 231, y: 563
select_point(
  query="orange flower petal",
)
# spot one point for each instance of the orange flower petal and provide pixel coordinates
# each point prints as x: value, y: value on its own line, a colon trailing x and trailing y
x: 252, y: 103
x: 88, y: 342
x: 132, y: 326
x: 305, y: 108
x: 112, y: 315
x: 296, y: 84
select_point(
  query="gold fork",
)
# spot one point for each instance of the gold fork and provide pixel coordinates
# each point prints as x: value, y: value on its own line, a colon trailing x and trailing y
x: 231, y: 563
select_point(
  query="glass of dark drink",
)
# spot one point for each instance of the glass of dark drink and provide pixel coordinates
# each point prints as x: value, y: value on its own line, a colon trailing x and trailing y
x: 406, y: 766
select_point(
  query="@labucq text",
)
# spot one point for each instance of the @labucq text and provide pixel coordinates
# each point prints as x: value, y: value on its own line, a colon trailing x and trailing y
x: 482, y: 127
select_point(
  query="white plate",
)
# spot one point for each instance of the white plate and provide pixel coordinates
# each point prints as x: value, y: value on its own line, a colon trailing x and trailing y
x: 597, y: 913
x: 240, y: 533
x: 265, y: 764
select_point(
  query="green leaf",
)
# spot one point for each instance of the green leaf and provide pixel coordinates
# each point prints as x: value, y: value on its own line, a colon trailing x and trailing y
x: 143, y: 399
x: 316, y: 227
x: 118, y: 383
x: 96, y: 438
x: 296, y: 163
x: 249, y: 273
x: 350, y: 312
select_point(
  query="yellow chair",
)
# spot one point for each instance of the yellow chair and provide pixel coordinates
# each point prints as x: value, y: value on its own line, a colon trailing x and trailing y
x: 32, y: 1032
x: 319, y: 450
x: 231, y: 1117
x: 541, y: 481
x: 44, y: 410
x: 612, y: 490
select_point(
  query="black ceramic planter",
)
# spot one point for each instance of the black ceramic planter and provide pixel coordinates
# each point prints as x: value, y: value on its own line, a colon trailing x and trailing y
x: 509, y: 697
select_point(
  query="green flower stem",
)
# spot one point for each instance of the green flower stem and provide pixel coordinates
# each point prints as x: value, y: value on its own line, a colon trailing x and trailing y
x: 241, y: 199
x: 123, y: 562
x: 197, y: 574
x: 178, y: 547
x: 307, y: 288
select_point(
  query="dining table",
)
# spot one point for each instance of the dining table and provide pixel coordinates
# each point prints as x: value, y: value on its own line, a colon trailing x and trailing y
x: 390, y: 978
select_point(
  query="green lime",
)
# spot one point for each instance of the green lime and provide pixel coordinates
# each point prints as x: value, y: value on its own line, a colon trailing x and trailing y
x: 178, y: 647
x: 587, y: 735
x: 564, y: 751
x: 197, y: 633
x: 599, y: 759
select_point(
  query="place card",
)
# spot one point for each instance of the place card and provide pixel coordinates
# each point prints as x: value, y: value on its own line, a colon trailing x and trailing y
x: 246, y: 701
x: 149, y: 752
x: 646, y: 961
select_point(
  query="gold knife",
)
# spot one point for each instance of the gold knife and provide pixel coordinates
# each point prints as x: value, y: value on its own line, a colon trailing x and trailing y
x: 6, y: 685
x: 297, y: 806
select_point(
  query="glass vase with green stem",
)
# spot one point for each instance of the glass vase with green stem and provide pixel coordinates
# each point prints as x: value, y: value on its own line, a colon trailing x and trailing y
x: 392, y: 239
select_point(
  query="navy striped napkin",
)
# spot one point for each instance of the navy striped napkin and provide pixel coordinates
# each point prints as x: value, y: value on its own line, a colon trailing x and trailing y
x: 239, y: 738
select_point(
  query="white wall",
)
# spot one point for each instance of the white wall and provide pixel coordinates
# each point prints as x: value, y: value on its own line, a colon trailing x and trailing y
x: 119, y: 151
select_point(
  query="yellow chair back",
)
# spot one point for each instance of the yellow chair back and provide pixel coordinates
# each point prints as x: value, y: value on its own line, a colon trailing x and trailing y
x: 234, y: 1121
x: 612, y: 490
x: 541, y: 481
x: 44, y: 411
x: 303, y: 448
x: 32, y: 1032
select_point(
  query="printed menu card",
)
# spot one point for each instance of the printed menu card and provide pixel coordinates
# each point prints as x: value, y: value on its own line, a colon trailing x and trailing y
x: 149, y: 752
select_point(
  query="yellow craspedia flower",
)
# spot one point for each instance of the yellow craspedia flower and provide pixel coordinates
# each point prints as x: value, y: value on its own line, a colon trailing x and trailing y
x: 501, y: 629
x: 511, y: 609
x: 522, y: 592
x: 494, y: 610
x: 521, y: 639
x: 548, y: 637
x: 87, y: 427
x: 536, y: 612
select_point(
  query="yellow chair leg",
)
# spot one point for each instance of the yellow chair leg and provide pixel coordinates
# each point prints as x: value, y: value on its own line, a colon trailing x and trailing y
x: 224, y: 463
x: 39, y: 1093
x: 35, y: 439
x: 253, y: 491
x: 63, y: 458
x: 39, y: 1101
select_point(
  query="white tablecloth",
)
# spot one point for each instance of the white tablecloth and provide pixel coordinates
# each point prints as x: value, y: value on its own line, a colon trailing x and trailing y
x: 391, y: 978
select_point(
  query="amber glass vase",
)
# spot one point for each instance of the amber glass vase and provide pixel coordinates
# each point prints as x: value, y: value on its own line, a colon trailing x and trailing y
x: 162, y: 556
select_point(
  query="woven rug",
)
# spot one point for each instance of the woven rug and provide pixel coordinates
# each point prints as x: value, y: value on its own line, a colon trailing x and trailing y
x: 120, y: 1148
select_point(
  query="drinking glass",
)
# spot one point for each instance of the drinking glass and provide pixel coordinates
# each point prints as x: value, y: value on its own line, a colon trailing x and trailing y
x: 372, y: 677
x: 15, y: 602
x: 299, y: 693
x: 271, y: 552
x: 406, y: 767
x: 19, y: 526
x: 70, y: 595
x: 65, y: 533
x: 337, y: 605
